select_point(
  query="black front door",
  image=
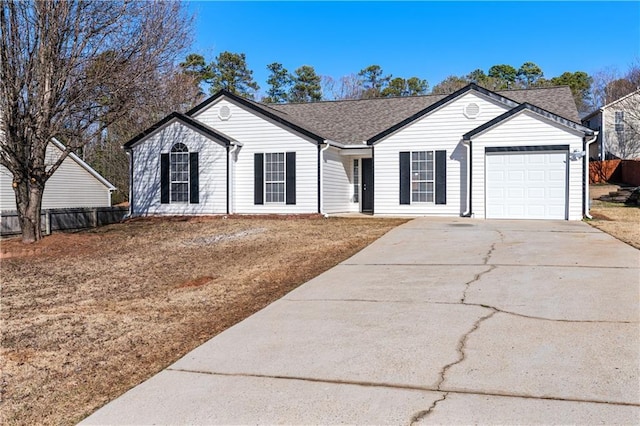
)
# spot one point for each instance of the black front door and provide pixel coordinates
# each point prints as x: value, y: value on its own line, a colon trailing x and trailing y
x: 367, y: 185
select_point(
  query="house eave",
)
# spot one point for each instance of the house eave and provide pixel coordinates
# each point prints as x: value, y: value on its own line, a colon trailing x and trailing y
x: 571, y: 125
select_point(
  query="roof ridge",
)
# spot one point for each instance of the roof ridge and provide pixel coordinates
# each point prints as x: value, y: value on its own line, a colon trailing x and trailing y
x: 559, y: 86
x: 360, y: 100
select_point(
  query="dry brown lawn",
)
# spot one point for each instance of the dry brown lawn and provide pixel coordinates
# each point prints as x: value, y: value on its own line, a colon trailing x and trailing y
x: 87, y: 316
x: 619, y: 220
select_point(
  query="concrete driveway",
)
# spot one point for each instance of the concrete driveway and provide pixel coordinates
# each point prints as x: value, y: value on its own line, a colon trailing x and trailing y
x: 440, y: 321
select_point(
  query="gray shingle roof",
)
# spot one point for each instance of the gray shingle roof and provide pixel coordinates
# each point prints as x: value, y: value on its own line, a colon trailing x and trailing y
x: 355, y: 121
x: 557, y: 100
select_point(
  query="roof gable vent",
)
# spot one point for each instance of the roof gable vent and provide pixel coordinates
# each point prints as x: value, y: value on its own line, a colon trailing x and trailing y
x: 224, y: 113
x: 471, y: 110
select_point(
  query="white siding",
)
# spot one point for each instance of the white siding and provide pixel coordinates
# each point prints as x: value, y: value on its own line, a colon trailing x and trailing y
x: 526, y: 129
x: 212, y: 157
x: 440, y: 130
x: 337, y: 183
x: 631, y: 137
x: 259, y: 135
x: 70, y: 186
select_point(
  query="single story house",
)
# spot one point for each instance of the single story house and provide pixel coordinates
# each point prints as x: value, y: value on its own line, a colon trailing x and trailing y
x: 74, y: 184
x: 516, y: 154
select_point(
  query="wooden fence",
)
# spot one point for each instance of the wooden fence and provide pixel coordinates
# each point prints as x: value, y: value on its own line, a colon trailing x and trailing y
x: 65, y: 219
x: 616, y: 171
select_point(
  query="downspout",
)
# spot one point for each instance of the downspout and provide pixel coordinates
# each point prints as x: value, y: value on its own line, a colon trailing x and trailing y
x: 603, y: 134
x: 586, y: 174
x: 130, y: 155
x: 230, y: 154
x: 320, y: 171
x: 467, y: 145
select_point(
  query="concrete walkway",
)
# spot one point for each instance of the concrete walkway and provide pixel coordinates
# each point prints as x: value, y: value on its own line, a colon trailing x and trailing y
x: 439, y: 322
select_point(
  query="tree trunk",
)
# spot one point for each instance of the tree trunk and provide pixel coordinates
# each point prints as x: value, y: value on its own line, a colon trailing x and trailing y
x: 29, y: 205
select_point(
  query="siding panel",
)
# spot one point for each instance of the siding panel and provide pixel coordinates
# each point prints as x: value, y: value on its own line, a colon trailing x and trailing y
x: 146, y: 173
x: 259, y: 135
x: 337, y: 182
x: 440, y: 130
x: 527, y: 129
x: 70, y: 186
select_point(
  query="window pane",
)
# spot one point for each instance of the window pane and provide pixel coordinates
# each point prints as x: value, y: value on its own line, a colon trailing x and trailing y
x: 179, y: 173
x: 422, y: 176
x: 274, y: 177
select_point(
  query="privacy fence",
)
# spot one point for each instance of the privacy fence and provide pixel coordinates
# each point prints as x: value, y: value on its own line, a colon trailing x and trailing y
x: 65, y: 219
x: 615, y: 171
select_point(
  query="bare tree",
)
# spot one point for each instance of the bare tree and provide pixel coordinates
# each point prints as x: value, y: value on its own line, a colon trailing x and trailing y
x: 609, y: 84
x: 347, y: 87
x: 174, y: 90
x: 69, y: 69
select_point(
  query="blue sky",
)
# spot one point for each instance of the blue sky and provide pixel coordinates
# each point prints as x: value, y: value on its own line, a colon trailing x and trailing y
x: 430, y: 40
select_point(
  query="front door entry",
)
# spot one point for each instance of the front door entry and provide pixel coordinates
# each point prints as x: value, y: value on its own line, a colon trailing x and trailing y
x: 367, y: 185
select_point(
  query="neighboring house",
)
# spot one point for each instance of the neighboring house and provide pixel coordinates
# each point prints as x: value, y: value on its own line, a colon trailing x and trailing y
x: 618, y: 126
x: 512, y: 154
x: 74, y: 184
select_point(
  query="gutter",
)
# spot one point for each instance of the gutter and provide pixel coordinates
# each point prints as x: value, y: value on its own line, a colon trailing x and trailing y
x: 230, y: 153
x: 327, y: 143
x: 129, y: 153
x: 586, y: 174
x: 467, y: 145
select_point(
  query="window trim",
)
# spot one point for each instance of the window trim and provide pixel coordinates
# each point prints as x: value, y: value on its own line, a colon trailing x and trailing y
x: 355, y: 170
x: 184, y: 154
x: 618, y: 122
x: 426, y: 181
x: 283, y: 181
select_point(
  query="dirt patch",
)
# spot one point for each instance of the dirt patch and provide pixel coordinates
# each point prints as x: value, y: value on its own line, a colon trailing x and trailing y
x: 618, y: 220
x: 197, y: 282
x: 87, y: 316
x: 598, y: 190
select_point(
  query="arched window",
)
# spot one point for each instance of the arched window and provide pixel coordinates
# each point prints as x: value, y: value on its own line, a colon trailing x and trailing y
x: 179, y: 167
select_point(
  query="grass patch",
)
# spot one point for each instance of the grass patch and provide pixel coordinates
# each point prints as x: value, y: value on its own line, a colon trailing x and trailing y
x: 618, y: 220
x: 87, y: 316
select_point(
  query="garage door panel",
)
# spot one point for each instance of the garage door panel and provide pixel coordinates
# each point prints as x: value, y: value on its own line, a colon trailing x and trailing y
x: 536, y: 160
x: 526, y: 185
x: 536, y: 193
x: 516, y: 193
x: 536, y: 175
x: 516, y: 175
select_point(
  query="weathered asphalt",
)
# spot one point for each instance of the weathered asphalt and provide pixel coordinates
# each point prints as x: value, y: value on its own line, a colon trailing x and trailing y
x: 441, y: 321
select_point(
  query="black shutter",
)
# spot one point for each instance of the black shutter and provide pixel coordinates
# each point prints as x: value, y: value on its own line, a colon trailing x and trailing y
x: 194, y: 196
x: 441, y: 177
x: 258, y: 179
x: 164, y: 178
x: 405, y: 178
x: 291, y: 178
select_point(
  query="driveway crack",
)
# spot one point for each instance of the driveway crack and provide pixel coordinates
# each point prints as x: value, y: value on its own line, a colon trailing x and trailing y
x: 476, y: 278
x: 461, y: 348
x: 424, y: 413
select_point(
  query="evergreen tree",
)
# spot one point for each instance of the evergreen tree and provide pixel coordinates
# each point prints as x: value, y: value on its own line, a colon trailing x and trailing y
x: 529, y: 74
x: 401, y: 87
x: 505, y: 74
x: 194, y: 66
x: 416, y: 86
x: 373, y: 82
x: 580, y: 83
x: 280, y: 82
x: 306, y: 85
x: 229, y: 71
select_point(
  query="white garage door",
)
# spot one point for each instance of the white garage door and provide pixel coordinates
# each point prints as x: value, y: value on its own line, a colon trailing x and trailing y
x: 526, y: 185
